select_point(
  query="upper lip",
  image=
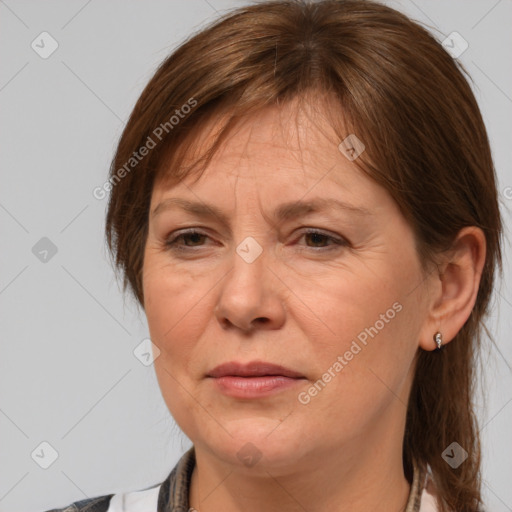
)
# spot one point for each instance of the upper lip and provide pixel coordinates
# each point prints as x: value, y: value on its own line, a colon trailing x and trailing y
x: 252, y: 369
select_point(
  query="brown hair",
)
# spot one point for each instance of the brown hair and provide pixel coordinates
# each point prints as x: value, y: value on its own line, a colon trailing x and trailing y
x: 405, y: 97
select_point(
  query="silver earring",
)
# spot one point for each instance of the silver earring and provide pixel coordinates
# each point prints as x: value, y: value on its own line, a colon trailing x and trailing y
x: 438, y: 338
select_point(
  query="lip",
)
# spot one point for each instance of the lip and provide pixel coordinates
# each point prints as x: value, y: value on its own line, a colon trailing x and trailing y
x: 256, y: 379
x: 253, y: 369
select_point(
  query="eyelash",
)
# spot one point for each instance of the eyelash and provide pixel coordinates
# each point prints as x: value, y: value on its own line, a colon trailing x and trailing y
x: 171, y: 243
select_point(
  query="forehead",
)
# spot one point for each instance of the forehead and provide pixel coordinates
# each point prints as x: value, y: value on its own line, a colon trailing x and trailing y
x: 294, y: 140
x: 273, y: 160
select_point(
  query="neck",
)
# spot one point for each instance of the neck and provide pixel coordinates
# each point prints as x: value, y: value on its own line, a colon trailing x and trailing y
x: 342, y: 480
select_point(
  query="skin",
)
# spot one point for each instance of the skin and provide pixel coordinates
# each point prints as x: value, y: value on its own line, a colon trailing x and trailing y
x: 300, y: 304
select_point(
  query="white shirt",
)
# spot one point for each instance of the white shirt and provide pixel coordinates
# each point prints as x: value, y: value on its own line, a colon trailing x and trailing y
x: 137, y: 501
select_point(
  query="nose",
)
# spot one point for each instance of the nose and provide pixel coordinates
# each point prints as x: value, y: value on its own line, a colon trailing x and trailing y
x: 251, y: 296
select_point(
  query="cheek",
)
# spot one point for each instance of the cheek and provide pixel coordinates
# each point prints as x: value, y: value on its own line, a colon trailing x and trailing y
x: 178, y: 394
x: 176, y: 316
x: 174, y: 312
x: 350, y: 303
x: 373, y: 323
x: 361, y: 382
x: 173, y: 295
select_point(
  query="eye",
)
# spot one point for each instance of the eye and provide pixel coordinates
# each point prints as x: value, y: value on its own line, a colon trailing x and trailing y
x: 192, y: 235
x: 319, y: 237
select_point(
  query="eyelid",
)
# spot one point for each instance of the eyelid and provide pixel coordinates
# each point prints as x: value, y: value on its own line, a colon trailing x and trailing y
x: 337, y: 240
x: 172, y: 237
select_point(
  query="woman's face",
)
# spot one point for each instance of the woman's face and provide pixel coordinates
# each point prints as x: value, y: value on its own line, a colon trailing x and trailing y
x: 342, y: 307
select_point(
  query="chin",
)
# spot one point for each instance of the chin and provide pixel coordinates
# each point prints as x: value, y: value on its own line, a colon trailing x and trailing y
x: 260, y: 444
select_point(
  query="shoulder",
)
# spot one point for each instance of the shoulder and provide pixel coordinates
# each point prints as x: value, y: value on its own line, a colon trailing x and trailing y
x: 97, y: 504
x: 171, y: 494
x: 135, y: 501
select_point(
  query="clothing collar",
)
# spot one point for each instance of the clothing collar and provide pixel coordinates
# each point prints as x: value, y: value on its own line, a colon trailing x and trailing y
x: 419, y: 479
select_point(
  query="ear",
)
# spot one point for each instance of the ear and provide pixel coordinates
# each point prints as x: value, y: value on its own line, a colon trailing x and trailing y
x: 454, y: 288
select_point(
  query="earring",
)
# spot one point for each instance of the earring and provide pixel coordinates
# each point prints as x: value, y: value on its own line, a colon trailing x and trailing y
x: 438, y: 338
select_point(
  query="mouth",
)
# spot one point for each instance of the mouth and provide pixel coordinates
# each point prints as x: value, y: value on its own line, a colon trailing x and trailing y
x: 253, y: 369
x: 256, y: 379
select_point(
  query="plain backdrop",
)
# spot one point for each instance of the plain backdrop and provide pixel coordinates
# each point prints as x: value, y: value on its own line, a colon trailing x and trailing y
x: 69, y: 377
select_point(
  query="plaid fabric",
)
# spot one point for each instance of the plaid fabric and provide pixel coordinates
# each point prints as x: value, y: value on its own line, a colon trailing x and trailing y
x: 98, y: 504
x: 174, y: 491
x: 417, y: 485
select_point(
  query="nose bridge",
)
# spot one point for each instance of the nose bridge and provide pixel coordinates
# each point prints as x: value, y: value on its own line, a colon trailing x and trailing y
x: 248, y: 293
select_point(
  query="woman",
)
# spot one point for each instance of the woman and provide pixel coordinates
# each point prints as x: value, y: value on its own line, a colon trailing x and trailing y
x: 304, y: 204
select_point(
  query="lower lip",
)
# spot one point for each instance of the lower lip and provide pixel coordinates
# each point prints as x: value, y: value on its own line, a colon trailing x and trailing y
x: 254, y: 387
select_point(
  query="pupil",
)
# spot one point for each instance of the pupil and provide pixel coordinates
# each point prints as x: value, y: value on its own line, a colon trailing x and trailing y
x: 317, y: 238
x: 194, y: 237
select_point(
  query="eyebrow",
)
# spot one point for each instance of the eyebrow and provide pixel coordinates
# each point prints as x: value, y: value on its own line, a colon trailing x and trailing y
x: 285, y: 211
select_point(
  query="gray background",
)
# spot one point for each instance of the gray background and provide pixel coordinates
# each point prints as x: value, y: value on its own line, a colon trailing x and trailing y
x: 68, y: 375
